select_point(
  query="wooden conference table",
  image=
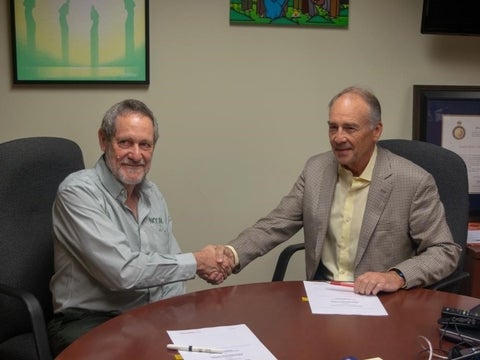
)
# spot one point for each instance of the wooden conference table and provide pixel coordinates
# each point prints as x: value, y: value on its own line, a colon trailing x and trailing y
x: 281, y: 320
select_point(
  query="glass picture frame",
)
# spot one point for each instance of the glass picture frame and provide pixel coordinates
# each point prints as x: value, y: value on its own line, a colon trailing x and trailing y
x: 291, y: 13
x: 449, y: 116
x: 94, y: 41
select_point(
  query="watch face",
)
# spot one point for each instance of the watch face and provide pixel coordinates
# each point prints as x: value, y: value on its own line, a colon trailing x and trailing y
x: 458, y: 132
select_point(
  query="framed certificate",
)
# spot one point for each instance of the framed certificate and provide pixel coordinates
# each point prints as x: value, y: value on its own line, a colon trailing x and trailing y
x: 449, y: 116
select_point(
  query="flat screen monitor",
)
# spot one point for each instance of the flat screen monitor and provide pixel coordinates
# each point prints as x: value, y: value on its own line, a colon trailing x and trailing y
x: 451, y: 17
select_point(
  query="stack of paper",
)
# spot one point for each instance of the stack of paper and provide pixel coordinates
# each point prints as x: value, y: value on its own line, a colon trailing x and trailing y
x: 235, y: 341
x: 473, y: 233
x: 325, y: 298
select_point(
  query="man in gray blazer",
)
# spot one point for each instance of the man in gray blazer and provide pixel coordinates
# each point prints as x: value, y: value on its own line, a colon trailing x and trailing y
x: 369, y: 216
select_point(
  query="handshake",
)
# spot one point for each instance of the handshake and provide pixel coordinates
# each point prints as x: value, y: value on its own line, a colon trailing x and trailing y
x: 214, y: 263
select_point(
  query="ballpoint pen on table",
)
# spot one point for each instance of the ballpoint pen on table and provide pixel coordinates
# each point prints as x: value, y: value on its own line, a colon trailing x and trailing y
x: 194, y: 348
x: 342, y: 283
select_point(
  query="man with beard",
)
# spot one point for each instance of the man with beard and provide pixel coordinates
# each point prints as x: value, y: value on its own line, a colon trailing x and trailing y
x: 114, y: 248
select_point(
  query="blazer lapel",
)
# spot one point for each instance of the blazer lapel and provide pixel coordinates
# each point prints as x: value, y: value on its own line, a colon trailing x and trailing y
x: 378, y: 195
x: 325, y: 196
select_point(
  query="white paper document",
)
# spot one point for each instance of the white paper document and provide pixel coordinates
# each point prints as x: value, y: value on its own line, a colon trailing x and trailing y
x: 473, y: 233
x: 325, y: 298
x: 236, y: 341
x: 473, y: 237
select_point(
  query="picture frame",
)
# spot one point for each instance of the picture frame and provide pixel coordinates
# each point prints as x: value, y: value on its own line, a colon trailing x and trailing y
x: 449, y: 116
x: 93, y: 41
x: 291, y: 13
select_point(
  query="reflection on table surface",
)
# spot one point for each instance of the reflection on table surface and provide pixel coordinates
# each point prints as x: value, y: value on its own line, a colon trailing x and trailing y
x: 279, y: 316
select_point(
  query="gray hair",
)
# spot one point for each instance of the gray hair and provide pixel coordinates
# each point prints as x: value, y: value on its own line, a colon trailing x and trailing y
x: 368, y: 97
x: 124, y: 107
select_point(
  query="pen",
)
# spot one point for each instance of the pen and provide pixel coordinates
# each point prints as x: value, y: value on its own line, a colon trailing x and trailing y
x: 342, y: 283
x: 194, y: 348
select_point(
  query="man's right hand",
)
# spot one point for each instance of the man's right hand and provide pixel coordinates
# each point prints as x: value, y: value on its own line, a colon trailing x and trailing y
x: 214, y: 263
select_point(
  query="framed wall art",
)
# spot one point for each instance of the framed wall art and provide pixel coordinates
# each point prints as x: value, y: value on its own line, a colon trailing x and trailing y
x: 449, y: 116
x: 293, y: 13
x: 88, y: 41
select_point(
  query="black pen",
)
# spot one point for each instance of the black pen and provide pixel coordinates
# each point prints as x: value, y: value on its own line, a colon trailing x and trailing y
x: 194, y: 348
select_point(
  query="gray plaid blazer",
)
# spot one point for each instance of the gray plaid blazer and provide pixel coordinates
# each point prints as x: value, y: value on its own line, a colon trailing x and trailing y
x: 404, y: 223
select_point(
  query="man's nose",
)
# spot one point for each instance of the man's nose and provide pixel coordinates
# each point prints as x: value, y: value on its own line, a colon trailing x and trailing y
x: 339, y: 136
x: 135, y: 153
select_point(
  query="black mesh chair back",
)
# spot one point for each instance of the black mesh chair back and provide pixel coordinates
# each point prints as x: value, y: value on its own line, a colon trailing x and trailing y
x: 31, y: 170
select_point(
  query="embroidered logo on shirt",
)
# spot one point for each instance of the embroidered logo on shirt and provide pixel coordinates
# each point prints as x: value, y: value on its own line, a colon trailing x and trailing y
x: 157, y: 223
x: 155, y: 220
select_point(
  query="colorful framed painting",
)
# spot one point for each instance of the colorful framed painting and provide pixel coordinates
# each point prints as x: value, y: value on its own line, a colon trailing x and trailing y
x: 87, y: 41
x: 315, y: 13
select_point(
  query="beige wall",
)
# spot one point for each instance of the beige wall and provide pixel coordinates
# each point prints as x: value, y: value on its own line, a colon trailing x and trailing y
x: 241, y: 108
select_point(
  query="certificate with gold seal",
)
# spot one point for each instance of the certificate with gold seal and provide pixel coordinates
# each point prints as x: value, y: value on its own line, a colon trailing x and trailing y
x: 461, y: 134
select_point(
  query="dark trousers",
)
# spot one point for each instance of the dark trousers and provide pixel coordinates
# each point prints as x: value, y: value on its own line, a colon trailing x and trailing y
x: 71, y: 323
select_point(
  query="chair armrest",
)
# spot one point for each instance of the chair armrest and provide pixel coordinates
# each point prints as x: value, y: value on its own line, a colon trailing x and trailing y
x: 455, y: 279
x: 283, y: 259
x: 36, y: 316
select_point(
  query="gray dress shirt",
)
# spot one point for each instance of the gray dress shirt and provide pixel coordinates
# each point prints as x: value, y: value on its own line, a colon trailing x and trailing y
x: 106, y: 259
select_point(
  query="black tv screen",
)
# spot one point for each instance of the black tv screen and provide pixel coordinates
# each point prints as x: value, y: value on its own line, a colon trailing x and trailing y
x: 451, y: 17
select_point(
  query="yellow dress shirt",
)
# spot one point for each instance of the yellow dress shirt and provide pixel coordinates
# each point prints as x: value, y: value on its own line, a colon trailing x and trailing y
x: 350, y: 198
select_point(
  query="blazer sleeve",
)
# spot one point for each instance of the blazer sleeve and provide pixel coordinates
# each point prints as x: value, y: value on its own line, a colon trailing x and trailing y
x: 278, y: 226
x: 405, y: 226
x: 436, y: 254
x: 304, y: 206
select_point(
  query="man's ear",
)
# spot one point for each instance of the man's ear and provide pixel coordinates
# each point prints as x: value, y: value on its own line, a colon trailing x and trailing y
x: 102, y: 140
x: 378, y: 131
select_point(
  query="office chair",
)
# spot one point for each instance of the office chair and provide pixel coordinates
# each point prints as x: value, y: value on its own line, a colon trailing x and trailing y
x: 31, y: 170
x: 450, y: 174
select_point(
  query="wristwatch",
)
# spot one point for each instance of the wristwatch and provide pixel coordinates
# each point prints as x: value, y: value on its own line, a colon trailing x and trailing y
x: 399, y: 273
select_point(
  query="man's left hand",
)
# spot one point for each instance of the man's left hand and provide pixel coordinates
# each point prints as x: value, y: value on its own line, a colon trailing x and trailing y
x: 371, y: 283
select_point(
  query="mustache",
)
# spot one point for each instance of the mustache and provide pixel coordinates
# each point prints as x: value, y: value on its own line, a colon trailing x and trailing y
x: 133, y: 163
x: 345, y: 147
